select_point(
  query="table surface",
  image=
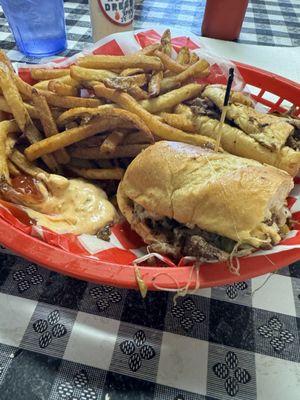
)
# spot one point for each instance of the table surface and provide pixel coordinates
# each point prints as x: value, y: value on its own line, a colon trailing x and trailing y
x: 61, y: 338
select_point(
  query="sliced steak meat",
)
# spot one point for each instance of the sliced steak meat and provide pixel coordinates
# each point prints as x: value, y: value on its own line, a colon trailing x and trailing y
x: 204, y: 106
x: 198, y: 247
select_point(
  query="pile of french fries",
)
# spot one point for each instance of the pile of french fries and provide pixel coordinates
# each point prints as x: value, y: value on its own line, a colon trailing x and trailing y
x: 91, y: 119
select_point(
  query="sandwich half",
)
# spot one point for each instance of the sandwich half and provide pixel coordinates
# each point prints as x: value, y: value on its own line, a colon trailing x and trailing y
x: 267, y: 138
x: 184, y: 200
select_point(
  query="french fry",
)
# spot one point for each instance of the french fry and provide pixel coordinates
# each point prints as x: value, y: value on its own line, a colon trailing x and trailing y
x: 24, y: 165
x: 169, y: 63
x: 132, y: 71
x: 154, y: 84
x: 106, y: 111
x: 69, y: 101
x: 197, y: 70
x: 66, y: 80
x: 183, y: 109
x: 94, y: 153
x: 43, y: 85
x: 147, y: 63
x: 20, y: 112
x: 6, y: 127
x: 42, y: 74
x: 62, y: 89
x: 166, y: 42
x: 180, y: 121
x: 183, y: 56
x: 138, y: 93
x: 158, y: 128
x: 68, y: 137
x: 31, y: 110
x: 13, y: 170
x: 112, y: 141
x: 136, y: 138
x: 5, y: 60
x: 99, y: 174
x: 126, y: 82
x: 107, y: 118
x: 54, y: 99
x: 193, y: 58
x: 49, y: 125
x: 150, y: 49
x: 171, y: 99
x: 81, y: 74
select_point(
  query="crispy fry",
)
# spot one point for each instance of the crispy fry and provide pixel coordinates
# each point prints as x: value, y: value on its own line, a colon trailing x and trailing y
x: 20, y: 112
x: 199, y: 69
x: 42, y: 74
x: 138, y: 93
x: 166, y: 42
x: 136, y: 138
x: 147, y: 63
x: 129, y: 84
x: 132, y: 71
x: 31, y: 110
x: 5, y: 60
x: 53, y: 99
x: 24, y: 165
x: 13, y: 170
x: 99, y: 174
x: 49, y: 125
x: 12, y: 97
x: 6, y: 127
x: 107, y: 118
x: 180, y: 121
x: 41, y: 85
x: 183, y: 56
x: 106, y: 111
x: 112, y: 141
x: 69, y: 101
x: 68, y: 137
x: 150, y: 49
x: 154, y: 84
x: 157, y: 127
x: 183, y: 109
x: 169, y: 63
x: 66, y: 80
x: 126, y: 82
x: 193, y: 57
x: 93, y: 153
x: 62, y: 89
x: 171, y: 99
x: 81, y: 74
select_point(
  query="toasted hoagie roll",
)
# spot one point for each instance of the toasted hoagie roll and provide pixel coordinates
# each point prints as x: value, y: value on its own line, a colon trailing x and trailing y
x: 185, y: 200
x: 248, y: 133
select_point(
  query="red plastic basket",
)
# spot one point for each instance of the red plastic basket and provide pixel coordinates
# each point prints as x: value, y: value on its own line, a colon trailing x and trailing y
x: 110, y: 272
x: 269, y: 83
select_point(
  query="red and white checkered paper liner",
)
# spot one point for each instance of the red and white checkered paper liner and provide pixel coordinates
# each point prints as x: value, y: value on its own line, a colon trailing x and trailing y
x: 125, y: 246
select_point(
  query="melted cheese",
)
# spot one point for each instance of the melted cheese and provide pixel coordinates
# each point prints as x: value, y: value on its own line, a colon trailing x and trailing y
x: 71, y: 206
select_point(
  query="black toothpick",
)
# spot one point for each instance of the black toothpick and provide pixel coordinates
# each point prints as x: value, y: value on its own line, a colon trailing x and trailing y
x: 228, y: 87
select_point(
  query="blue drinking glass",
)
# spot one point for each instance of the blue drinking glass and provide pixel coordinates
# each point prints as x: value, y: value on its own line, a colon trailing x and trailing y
x: 37, y: 25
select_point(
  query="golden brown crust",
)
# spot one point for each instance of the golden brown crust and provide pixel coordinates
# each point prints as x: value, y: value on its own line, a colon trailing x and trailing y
x: 218, y: 192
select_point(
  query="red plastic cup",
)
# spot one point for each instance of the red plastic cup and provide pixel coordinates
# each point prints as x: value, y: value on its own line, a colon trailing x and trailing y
x: 223, y: 19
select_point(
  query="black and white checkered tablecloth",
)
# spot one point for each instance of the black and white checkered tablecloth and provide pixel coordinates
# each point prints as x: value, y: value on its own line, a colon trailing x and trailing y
x: 267, y: 22
x: 65, y: 339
